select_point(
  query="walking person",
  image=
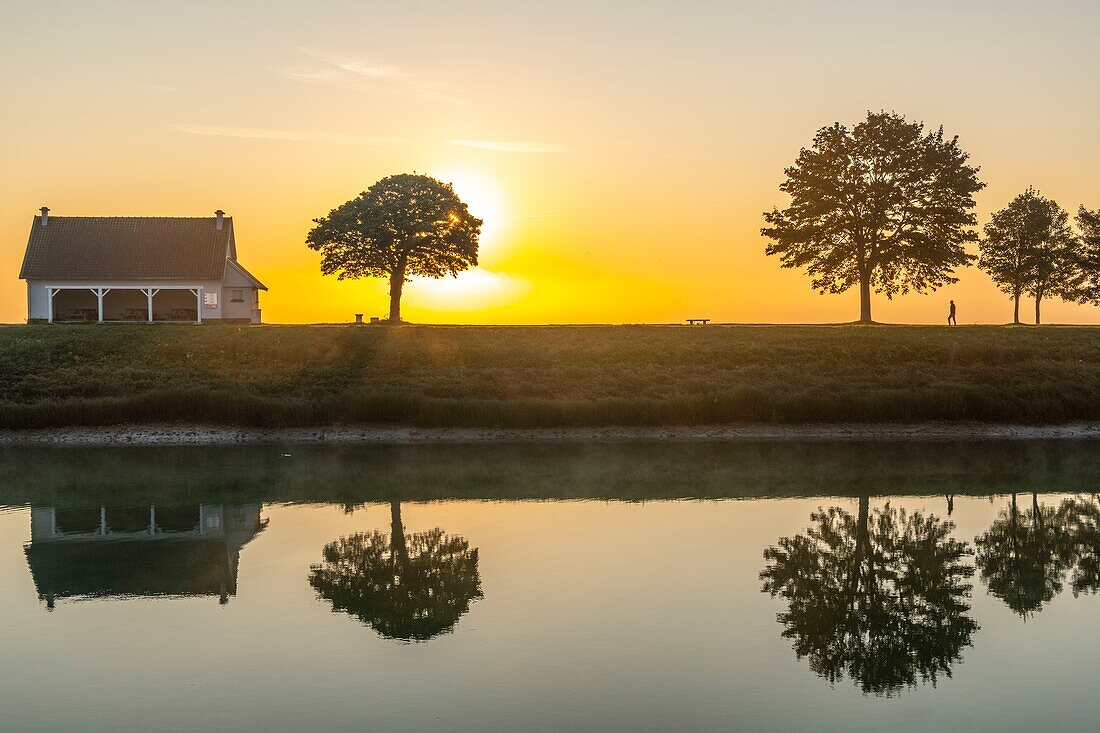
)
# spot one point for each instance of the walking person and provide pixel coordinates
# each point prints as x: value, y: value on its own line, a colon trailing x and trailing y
x: 951, y: 316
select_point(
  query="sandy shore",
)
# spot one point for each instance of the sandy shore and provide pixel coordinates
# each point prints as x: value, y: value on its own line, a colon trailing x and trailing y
x: 146, y: 435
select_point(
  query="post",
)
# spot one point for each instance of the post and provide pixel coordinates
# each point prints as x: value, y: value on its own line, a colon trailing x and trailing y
x: 149, y: 302
x: 103, y: 520
x: 99, y: 301
x: 152, y: 519
x: 198, y: 296
x: 49, y: 303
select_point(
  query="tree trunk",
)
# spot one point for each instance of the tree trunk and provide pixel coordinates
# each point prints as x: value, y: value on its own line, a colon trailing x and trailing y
x: 1016, y: 308
x: 864, y: 298
x: 397, y: 283
x: 397, y: 533
x: 864, y: 554
x: 1038, y: 300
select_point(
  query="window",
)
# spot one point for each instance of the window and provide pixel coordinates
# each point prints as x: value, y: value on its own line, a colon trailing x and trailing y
x: 209, y: 299
x: 238, y: 296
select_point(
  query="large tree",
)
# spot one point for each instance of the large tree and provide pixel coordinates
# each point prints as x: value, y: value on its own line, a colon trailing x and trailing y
x: 884, y: 206
x: 880, y: 596
x: 401, y: 226
x: 1029, y: 247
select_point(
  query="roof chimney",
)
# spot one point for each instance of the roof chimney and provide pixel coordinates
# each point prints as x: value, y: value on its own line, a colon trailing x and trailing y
x: 221, y: 216
x: 45, y: 215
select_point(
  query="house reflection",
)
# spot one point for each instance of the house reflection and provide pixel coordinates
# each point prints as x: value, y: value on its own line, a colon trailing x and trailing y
x: 139, y: 551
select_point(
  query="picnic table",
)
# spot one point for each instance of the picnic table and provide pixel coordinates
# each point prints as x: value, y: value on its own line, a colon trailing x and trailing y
x: 81, y: 314
x: 135, y: 314
x: 182, y: 314
x: 698, y: 321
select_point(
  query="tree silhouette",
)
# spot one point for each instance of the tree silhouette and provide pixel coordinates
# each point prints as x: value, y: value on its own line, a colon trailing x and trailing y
x: 408, y: 587
x: 403, y: 225
x: 881, y: 598
x: 1029, y: 248
x: 1089, y: 224
x: 1023, y: 556
x: 883, y: 205
x: 1082, y: 521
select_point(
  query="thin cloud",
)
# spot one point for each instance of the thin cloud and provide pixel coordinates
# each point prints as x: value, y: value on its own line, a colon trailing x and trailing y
x: 372, y: 76
x: 502, y: 146
x: 261, y: 133
x: 360, y: 67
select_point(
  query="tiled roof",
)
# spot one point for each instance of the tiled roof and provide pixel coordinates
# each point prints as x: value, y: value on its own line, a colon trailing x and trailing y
x: 127, y: 248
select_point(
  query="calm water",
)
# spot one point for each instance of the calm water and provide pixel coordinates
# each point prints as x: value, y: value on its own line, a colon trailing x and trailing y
x: 772, y: 587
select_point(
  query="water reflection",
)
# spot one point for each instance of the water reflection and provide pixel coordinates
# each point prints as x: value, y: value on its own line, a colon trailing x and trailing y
x: 1025, y: 556
x: 880, y: 597
x: 1083, y: 518
x: 408, y: 587
x: 139, y: 550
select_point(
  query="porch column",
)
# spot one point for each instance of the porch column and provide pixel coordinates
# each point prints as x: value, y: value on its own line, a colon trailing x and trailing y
x: 99, y: 293
x: 49, y: 304
x: 149, y: 293
x: 198, y: 296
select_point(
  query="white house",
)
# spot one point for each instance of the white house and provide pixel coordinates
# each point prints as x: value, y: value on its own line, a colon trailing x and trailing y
x: 136, y: 268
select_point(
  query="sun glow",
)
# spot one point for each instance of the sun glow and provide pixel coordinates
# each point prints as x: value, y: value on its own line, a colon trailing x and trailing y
x: 485, y: 200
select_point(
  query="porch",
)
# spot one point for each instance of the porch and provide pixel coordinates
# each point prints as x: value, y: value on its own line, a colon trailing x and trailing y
x: 89, y: 304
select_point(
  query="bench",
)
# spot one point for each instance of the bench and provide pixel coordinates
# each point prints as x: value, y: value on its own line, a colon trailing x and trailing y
x: 698, y: 321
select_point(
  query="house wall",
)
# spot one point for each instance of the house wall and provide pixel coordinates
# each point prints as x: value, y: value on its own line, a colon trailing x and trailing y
x: 234, y: 280
x: 37, y: 302
x: 38, y: 296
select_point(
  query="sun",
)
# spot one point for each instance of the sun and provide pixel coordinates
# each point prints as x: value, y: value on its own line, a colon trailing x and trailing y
x: 486, y: 201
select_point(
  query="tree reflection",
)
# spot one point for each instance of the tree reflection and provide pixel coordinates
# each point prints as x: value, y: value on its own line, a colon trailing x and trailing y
x: 881, y: 598
x: 1023, y: 556
x: 411, y: 587
x: 1082, y: 521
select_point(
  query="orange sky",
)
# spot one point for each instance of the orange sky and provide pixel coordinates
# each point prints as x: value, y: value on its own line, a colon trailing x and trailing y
x: 621, y: 153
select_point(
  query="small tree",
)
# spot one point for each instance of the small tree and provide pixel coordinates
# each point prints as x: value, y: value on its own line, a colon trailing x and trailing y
x: 884, y: 206
x: 401, y: 226
x: 1029, y: 248
x: 1089, y: 224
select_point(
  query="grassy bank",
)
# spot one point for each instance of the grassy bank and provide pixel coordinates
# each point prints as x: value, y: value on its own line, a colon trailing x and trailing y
x: 545, y: 376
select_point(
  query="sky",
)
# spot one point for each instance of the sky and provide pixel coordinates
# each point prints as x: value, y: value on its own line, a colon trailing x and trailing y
x: 620, y: 153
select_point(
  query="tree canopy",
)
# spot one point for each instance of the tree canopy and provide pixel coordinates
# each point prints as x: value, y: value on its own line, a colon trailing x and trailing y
x: 1029, y: 247
x: 881, y: 598
x: 403, y: 225
x: 408, y: 587
x: 883, y: 206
